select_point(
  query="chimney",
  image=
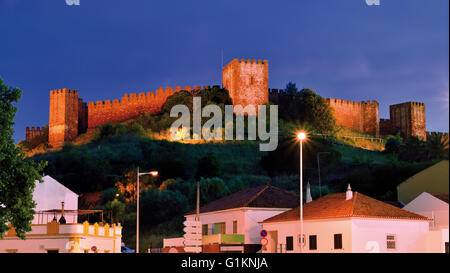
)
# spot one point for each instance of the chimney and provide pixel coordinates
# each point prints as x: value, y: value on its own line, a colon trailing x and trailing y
x: 62, y: 220
x: 349, y: 193
x: 308, y: 193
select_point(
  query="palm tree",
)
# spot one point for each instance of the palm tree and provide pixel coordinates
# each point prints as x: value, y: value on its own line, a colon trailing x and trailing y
x: 437, y: 146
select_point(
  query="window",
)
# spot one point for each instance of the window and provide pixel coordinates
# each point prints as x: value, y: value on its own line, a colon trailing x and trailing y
x: 289, y: 243
x: 52, y: 250
x: 447, y: 250
x: 390, y: 241
x: 205, y: 229
x: 337, y: 241
x: 234, y: 227
x: 219, y: 228
x: 312, y: 242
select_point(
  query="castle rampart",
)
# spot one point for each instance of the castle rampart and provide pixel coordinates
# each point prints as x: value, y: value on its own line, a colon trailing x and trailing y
x: 33, y: 132
x: 247, y: 83
x: 360, y: 116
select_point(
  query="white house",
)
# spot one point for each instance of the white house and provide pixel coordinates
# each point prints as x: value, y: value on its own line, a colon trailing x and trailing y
x: 49, y: 195
x: 232, y: 223
x: 435, y: 207
x: 50, y: 233
x: 347, y: 222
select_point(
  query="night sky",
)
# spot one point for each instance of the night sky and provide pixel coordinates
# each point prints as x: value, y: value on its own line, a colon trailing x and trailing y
x: 392, y: 53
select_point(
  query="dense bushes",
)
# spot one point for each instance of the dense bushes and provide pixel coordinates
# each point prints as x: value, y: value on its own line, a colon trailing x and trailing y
x: 413, y: 149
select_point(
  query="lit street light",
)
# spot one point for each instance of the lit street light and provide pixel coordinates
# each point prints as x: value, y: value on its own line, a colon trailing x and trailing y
x: 301, y: 136
x: 153, y: 173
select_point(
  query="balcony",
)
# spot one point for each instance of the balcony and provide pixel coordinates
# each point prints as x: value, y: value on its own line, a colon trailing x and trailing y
x: 223, y: 239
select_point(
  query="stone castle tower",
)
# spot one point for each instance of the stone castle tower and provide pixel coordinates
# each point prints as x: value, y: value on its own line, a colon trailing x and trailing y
x: 247, y: 81
x: 67, y: 118
x: 408, y: 118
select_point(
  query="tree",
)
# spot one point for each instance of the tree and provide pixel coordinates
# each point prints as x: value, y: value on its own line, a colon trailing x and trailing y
x: 437, y: 146
x: 208, y: 166
x: 17, y: 176
x: 291, y: 89
x: 306, y: 107
x: 393, y: 144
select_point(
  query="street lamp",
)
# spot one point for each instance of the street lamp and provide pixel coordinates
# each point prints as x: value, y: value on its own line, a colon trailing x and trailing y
x: 153, y: 173
x: 301, y: 136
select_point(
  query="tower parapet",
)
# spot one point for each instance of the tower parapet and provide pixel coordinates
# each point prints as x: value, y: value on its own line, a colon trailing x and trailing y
x: 247, y: 81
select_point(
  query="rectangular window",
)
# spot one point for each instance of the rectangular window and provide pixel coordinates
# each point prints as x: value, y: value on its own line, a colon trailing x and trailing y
x: 391, y: 241
x: 205, y: 229
x: 313, y: 242
x: 219, y: 228
x: 52, y: 250
x: 289, y: 243
x: 337, y: 241
x: 234, y: 227
x: 447, y: 249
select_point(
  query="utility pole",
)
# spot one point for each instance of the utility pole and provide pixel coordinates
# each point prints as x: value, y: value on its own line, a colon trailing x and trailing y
x: 318, y: 167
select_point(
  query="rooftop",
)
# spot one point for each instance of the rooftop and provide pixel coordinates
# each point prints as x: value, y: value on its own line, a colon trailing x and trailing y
x: 266, y: 196
x: 335, y: 206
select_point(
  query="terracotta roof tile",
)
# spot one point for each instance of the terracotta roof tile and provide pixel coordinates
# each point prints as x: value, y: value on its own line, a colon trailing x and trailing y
x: 266, y: 196
x: 335, y: 205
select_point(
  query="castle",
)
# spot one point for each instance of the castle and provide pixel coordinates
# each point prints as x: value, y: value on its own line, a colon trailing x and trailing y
x: 247, y: 82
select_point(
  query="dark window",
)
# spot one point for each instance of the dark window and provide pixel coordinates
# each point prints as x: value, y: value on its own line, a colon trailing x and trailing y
x: 204, y: 229
x: 447, y: 250
x: 289, y: 243
x: 234, y: 227
x: 312, y: 242
x: 52, y: 251
x: 337, y: 241
x: 390, y: 241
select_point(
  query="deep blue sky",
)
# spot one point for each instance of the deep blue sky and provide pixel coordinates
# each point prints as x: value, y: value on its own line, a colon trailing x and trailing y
x: 391, y: 53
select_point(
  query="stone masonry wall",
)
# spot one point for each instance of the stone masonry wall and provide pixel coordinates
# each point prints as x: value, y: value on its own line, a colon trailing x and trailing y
x: 247, y: 81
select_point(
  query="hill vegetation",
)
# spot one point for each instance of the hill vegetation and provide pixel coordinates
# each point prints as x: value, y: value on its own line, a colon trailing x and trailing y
x: 105, y: 160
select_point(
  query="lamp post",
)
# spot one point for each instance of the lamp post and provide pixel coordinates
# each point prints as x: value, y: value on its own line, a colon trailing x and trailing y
x: 153, y: 173
x: 318, y: 166
x: 301, y: 136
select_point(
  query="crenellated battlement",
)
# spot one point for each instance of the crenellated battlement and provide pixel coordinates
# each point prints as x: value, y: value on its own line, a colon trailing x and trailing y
x: 33, y: 132
x: 145, y: 97
x: 249, y: 61
x: 63, y: 91
x: 247, y: 81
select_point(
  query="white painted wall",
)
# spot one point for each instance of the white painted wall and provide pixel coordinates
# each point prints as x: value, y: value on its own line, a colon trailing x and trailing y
x: 369, y: 235
x: 324, y: 230
x: 427, y: 205
x: 247, y: 221
x: 38, y: 241
x: 49, y: 195
x: 359, y: 235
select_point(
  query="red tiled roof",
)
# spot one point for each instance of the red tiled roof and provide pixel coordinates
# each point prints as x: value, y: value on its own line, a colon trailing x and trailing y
x: 266, y: 196
x: 335, y: 205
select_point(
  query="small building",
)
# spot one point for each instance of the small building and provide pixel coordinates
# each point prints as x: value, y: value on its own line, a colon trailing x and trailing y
x: 346, y: 222
x: 435, y: 207
x: 54, y: 237
x: 49, y: 195
x: 55, y: 226
x: 434, y: 179
x: 232, y: 223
